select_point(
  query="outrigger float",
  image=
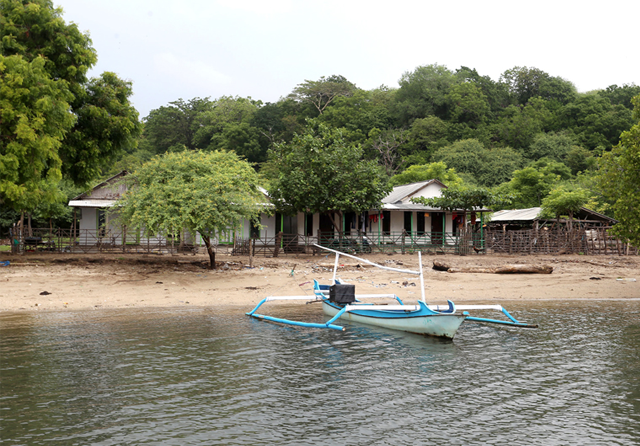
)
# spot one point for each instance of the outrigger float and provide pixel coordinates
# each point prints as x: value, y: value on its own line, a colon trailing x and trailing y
x: 339, y: 301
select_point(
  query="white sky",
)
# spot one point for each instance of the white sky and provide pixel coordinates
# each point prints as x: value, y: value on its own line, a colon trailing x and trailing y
x: 174, y: 49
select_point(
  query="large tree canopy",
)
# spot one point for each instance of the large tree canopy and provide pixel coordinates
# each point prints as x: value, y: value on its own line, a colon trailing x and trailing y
x: 619, y: 180
x: 322, y: 92
x: 529, y: 186
x: 486, y: 167
x: 104, y: 122
x: 205, y: 192
x: 422, y: 172
x: 466, y: 199
x: 525, y: 83
x: 320, y: 172
x: 564, y: 200
x: 34, y: 119
x: 173, y: 127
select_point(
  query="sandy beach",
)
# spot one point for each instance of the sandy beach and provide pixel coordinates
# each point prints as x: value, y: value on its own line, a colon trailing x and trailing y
x: 58, y: 282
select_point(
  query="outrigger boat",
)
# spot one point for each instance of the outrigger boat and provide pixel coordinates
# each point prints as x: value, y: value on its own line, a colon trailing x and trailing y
x: 339, y: 301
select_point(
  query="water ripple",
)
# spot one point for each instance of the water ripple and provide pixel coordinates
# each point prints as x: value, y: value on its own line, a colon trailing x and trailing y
x: 198, y: 377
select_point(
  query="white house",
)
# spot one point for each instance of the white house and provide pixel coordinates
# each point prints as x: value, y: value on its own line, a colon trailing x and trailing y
x: 397, y: 217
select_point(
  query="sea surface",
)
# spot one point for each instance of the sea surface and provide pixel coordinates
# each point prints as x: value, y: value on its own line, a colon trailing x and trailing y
x: 194, y: 376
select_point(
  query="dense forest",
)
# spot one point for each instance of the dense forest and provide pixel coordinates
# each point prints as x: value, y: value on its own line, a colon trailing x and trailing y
x: 528, y: 135
x: 524, y: 134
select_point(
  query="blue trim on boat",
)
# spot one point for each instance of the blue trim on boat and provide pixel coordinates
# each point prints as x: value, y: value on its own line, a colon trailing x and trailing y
x: 496, y: 321
x: 381, y: 313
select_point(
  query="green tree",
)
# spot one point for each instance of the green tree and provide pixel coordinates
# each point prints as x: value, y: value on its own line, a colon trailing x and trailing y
x: 433, y: 171
x: 526, y: 83
x: 467, y: 104
x: 621, y: 95
x: 322, y: 92
x: 360, y: 113
x: 218, y: 115
x: 488, y: 167
x: 277, y: 122
x: 106, y: 125
x: 173, y: 127
x: 594, y: 121
x: 554, y: 146
x: 563, y: 200
x: 426, y: 135
x: 579, y: 160
x: 619, y: 180
x: 34, y: 120
x: 204, y: 192
x: 320, y: 172
x: 386, y: 148
x: 529, y: 186
x: 496, y: 93
x: 519, y: 124
x: 423, y: 92
x: 106, y: 122
x: 57, y: 214
x: 242, y: 139
x: 467, y: 199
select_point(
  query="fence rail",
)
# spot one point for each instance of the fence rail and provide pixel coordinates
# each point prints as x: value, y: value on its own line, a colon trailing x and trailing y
x: 543, y: 241
x: 557, y: 241
x: 86, y: 241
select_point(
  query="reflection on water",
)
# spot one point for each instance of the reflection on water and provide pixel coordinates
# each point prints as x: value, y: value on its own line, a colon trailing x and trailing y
x: 202, y: 377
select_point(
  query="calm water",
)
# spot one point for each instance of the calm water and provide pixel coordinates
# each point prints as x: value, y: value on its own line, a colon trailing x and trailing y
x: 192, y: 376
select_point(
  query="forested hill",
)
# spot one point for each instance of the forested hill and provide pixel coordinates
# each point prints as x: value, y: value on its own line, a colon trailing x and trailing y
x: 526, y: 137
x: 482, y: 128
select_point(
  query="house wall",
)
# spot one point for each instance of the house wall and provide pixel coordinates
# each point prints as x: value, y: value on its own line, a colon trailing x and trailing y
x: 89, y: 234
x: 449, y: 222
x: 88, y: 219
x: 397, y: 221
x: 268, y: 230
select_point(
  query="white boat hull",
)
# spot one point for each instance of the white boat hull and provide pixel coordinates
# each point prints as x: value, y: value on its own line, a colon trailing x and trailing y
x: 439, y: 325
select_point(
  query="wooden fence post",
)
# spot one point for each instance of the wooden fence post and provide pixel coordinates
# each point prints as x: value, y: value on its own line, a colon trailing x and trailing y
x: 276, y: 250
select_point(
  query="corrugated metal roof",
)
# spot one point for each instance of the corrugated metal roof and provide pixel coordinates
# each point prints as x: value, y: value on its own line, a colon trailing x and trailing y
x: 401, y: 192
x: 92, y: 203
x: 407, y: 207
x: 111, y: 180
x: 516, y: 215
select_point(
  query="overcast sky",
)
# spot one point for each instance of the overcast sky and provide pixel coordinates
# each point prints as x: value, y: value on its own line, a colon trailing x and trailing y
x: 174, y: 49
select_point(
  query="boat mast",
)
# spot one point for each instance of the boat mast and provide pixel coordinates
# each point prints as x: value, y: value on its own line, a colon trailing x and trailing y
x: 421, y: 277
x: 335, y: 268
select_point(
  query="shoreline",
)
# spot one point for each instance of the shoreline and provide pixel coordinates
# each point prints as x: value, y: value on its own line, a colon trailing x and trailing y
x: 59, y: 282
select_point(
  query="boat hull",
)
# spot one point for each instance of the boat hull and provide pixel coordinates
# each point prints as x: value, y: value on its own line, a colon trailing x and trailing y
x: 422, y: 321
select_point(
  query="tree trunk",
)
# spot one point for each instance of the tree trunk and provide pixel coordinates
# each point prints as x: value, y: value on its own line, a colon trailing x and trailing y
x: 14, y: 239
x: 337, y: 223
x: 276, y: 248
x: 21, y: 231
x: 505, y: 269
x: 210, y: 251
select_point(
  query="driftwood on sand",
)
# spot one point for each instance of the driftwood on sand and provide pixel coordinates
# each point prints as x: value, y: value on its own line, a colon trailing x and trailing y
x: 504, y: 269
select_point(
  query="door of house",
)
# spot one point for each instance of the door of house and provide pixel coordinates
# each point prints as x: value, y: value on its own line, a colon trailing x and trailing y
x: 408, y: 222
x: 437, y: 228
x: 326, y: 227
